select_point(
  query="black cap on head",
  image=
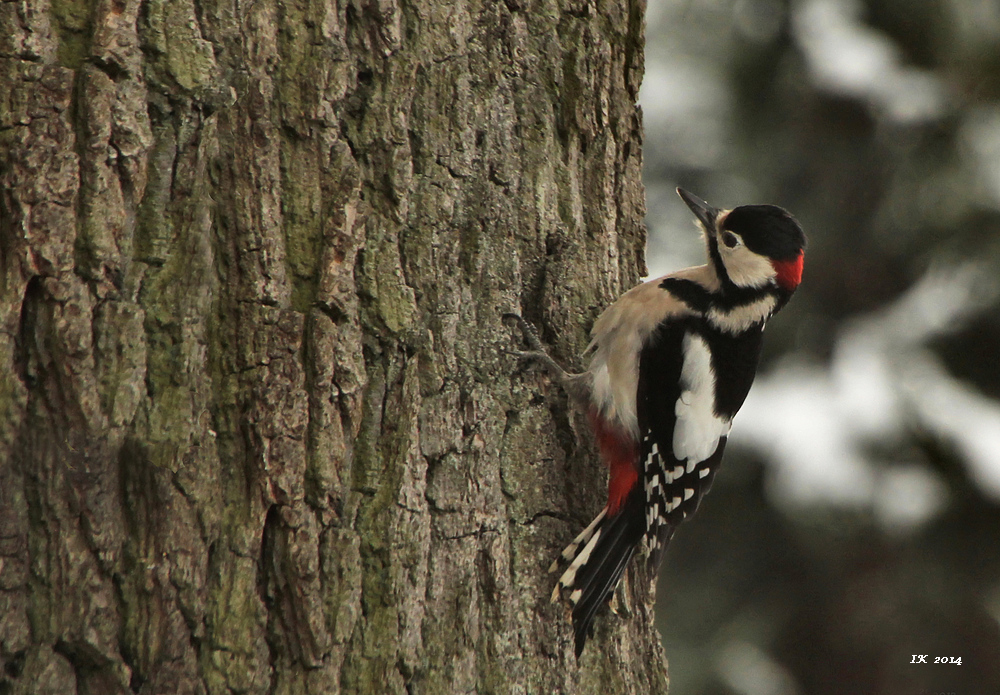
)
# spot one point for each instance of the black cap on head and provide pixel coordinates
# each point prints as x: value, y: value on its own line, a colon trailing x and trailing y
x: 767, y: 230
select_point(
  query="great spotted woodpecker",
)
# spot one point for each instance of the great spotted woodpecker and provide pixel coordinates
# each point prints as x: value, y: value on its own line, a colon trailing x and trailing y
x: 673, y: 360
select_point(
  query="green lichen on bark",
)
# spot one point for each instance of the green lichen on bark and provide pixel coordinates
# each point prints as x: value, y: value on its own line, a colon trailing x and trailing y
x: 173, y: 36
x: 71, y: 20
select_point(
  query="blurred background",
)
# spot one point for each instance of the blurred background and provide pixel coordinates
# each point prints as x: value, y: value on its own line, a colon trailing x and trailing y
x: 856, y: 522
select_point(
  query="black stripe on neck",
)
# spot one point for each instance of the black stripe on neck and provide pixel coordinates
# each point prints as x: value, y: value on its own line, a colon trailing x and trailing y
x: 716, y: 258
x: 728, y: 297
x: 691, y: 293
x: 732, y: 295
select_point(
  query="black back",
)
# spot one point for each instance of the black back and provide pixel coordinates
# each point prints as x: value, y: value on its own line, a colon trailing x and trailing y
x: 734, y: 360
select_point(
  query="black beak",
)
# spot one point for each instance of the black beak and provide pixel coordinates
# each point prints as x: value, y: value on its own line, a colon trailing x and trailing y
x: 705, y: 213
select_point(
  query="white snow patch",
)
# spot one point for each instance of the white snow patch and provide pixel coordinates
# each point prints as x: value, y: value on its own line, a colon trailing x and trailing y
x: 847, y: 57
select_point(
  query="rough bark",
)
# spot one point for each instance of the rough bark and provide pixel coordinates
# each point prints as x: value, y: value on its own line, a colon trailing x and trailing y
x: 258, y: 432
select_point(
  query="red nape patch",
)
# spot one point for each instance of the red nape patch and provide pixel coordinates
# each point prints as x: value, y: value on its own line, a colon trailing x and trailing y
x: 789, y: 272
x: 621, y: 455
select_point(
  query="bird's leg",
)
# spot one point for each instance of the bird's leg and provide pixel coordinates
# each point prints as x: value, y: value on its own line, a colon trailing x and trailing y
x: 576, y: 385
x: 537, y: 351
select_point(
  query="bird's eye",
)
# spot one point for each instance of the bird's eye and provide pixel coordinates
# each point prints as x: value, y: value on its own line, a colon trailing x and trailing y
x: 730, y: 239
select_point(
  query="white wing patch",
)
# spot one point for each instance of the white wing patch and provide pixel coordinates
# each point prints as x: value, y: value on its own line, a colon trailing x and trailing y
x: 698, y: 429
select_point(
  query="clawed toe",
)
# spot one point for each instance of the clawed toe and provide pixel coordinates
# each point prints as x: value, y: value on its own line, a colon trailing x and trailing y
x: 528, y: 331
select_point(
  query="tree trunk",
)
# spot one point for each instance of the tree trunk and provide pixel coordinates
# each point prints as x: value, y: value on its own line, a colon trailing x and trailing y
x: 258, y: 431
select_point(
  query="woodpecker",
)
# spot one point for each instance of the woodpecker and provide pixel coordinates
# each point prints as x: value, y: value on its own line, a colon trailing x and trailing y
x: 672, y: 362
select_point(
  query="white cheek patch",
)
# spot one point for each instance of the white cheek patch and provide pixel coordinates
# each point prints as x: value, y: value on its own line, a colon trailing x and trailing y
x: 698, y: 429
x: 746, y: 268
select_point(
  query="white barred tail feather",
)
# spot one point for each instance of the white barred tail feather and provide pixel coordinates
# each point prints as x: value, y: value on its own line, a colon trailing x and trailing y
x: 596, y: 559
x: 596, y: 565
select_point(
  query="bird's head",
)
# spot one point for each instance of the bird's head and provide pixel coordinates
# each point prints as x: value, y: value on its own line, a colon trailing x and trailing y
x: 751, y: 245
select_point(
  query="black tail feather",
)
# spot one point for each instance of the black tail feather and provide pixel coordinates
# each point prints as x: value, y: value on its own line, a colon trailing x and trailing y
x: 596, y: 595
x: 594, y: 581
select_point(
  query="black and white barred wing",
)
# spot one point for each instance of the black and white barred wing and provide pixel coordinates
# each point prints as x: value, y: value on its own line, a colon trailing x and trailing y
x: 683, y: 436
